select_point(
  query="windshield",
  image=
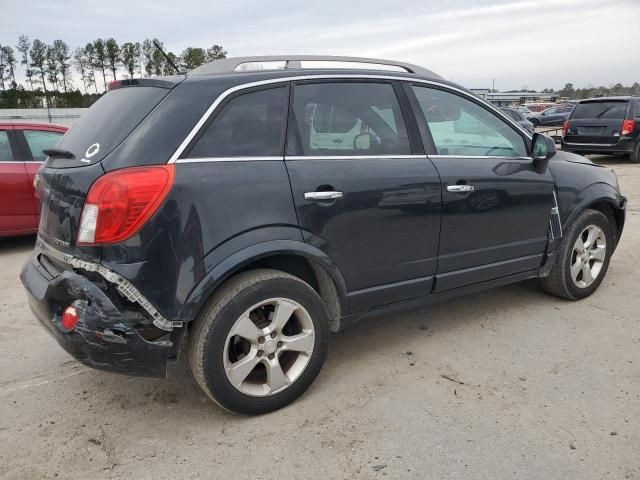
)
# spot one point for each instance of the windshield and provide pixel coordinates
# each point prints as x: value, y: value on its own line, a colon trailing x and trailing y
x: 608, y: 109
x: 109, y: 121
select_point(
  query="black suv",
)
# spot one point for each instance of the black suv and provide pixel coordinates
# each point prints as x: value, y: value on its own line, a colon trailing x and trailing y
x: 604, y: 125
x: 243, y: 211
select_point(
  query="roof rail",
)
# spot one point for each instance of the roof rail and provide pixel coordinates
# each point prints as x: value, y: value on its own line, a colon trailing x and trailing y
x: 293, y: 62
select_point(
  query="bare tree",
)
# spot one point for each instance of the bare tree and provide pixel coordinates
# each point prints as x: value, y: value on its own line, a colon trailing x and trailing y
x: 62, y: 57
x: 9, y: 61
x: 24, y: 45
x: 52, y: 68
x: 112, y: 52
x: 100, y: 59
x: 90, y: 55
x: 80, y: 61
x: 130, y: 53
x: 38, y: 54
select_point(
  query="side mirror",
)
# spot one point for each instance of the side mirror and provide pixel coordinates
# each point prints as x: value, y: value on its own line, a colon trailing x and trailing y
x: 543, y: 148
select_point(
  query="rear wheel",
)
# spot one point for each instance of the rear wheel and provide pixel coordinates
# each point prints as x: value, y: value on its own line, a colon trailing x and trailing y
x: 582, y: 257
x: 260, y: 343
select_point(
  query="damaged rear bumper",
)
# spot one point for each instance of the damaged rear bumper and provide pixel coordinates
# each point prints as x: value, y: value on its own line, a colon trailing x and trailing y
x: 103, y: 338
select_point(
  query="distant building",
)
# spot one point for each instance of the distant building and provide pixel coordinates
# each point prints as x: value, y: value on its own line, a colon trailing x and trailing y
x: 506, y: 99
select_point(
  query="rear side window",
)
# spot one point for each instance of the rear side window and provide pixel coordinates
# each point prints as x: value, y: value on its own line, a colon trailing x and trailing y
x: 39, y: 140
x: 5, y: 148
x: 251, y: 124
x: 332, y: 119
x: 615, y: 110
x: 110, y: 120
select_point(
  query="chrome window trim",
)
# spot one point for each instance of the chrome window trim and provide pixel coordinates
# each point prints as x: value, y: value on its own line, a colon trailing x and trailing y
x: 353, y: 157
x: 481, y: 156
x: 245, y: 86
x: 230, y: 159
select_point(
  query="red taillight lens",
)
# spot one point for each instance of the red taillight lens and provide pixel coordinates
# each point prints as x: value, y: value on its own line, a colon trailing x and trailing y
x: 120, y: 202
x: 565, y: 127
x: 627, y: 127
x: 70, y: 318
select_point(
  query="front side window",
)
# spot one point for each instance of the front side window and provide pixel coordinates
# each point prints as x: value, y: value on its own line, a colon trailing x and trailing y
x: 461, y: 127
x: 250, y: 125
x: 347, y: 119
x: 39, y: 140
x: 5, y: 148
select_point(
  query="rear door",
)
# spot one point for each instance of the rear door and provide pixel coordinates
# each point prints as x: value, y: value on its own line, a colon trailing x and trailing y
x: 596, y: 122
x: 364, y: 191
x: 495, y: 206
x: 17, y: 214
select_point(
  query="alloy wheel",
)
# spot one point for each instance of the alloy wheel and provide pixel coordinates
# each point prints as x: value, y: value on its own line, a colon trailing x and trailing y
x: 269, y: 347
x: 588, y: 255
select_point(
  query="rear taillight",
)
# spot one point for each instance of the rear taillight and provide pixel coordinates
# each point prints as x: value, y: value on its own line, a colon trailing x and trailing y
x: 627, y: 127
x: 120, y: 202
x: 565, y: 127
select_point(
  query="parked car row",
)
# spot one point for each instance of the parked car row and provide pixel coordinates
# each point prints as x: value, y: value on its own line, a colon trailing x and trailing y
x: 21, y: 155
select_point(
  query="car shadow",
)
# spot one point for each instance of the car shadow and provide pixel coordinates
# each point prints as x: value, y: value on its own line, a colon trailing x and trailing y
x: 17, y: 244
x: 348, y: 349
x: 612, y: 160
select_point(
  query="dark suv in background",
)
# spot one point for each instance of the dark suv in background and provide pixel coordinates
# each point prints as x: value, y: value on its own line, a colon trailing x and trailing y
x: 604, y: 125
x: 241, y: 215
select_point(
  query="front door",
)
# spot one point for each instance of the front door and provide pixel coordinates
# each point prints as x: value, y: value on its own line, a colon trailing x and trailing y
x: 364, y: 193
x: 17, y: 209
x: 496, y: 207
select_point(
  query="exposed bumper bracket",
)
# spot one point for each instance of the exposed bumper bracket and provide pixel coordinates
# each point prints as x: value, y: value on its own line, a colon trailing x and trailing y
x: 123, y: 286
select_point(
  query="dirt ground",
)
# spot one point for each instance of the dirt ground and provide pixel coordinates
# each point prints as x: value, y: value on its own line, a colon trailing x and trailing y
x: 507, y: 384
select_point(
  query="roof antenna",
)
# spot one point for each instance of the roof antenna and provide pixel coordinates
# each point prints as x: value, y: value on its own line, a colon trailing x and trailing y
x: 157, y: 45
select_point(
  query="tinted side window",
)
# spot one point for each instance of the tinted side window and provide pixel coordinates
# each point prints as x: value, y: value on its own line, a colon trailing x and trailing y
x: 251, y: 124
x: 461, y: 127
x: 5, y: 148
x: 39, y: 140
x: 347, y: 119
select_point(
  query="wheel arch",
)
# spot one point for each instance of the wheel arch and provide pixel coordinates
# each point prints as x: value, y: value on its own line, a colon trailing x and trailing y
x: 605, y: 199
x: 296, y: 258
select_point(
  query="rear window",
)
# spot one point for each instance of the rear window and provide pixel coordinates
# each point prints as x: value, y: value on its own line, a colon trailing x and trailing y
x: 109, y: 121
x: 606, y: 110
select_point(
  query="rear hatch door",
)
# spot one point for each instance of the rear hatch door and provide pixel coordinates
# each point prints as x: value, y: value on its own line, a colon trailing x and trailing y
x: 597, y: 122
x: 63, y: 183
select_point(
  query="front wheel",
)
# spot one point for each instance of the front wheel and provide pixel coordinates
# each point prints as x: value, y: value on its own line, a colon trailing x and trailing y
x: 260, y: 343
x: 582, y: 257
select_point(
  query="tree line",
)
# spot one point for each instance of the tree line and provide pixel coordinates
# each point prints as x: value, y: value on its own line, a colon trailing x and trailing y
x: 48, y: 69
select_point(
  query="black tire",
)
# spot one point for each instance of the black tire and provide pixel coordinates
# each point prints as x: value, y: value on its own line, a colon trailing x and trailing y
x: 559, y: 281
x: 210, y: 330
x: 634, y: 157
x: 536, y: 122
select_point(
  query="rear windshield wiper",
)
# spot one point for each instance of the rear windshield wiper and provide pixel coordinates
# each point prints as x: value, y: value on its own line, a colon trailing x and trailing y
x: 58, y: 152
x: 604, y: 111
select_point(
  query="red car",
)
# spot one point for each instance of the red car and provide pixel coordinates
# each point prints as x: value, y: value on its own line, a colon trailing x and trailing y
x: 21, y: 146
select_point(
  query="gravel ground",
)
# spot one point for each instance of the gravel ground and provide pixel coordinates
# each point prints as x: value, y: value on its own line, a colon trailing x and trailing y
x: 507, y: 384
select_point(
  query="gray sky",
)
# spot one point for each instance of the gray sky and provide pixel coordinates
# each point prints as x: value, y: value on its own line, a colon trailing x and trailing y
x: 538, y: 43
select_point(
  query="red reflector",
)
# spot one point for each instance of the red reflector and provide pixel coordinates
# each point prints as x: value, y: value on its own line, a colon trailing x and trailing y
x: 627, y: 127
x: 565, y: 127
x: 120, y: 202
x: 70, y: 318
